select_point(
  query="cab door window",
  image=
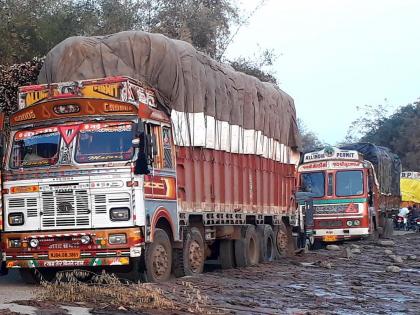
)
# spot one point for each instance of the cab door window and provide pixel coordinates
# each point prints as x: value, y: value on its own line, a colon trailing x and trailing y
x: 162, y: 140
x: 167, y: 148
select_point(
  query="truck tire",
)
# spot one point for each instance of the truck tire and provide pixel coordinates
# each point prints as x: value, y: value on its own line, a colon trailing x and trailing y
x: 158, y: 257
x: 268, y: 251
x: 247, y: 248
x: 283, y: 240
x: 388, y: 229
x: 227, y: 254
x: 189, y: 260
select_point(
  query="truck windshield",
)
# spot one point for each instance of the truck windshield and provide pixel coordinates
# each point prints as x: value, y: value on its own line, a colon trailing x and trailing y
x: 104, y: 142
x: 349, y: 183
x: 35, y: 148
x: 314, y: 183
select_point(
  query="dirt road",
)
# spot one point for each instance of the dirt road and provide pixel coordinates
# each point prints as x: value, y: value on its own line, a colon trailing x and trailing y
x: 321, y: 282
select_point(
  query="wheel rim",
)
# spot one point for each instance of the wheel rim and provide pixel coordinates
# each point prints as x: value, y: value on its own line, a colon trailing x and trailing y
x: 160, y: 261
x: 281, y: 241
x: 195, y: 257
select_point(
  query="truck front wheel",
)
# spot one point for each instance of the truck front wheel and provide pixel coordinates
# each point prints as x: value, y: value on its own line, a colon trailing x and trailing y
x: 158, y: 257
x: 189, y: 260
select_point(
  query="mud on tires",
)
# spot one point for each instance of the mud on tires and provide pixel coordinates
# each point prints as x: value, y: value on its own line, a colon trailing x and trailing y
x: 158, y: 258
x: 189, y: 260
x: 268, y: 251
x: 284, y: 243
x: 247, y: 248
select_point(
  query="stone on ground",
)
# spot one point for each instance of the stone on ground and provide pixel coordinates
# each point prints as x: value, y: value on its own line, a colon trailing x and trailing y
x: 333, y: 247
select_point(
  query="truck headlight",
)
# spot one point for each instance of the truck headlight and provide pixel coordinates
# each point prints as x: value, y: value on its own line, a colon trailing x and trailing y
x: 85, y: 239
x: 15, y: 243
x: 16, y: 218
x: 349, y: 223
x: 119, y: 214
x: 114, y: 239
x: 34, y: 242
x: 356, y: 222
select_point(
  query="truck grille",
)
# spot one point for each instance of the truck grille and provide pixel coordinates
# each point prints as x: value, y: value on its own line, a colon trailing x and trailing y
x: 30, y: 205
x: 332, y: 209
x: 65, y: 208
x: 329, y: 223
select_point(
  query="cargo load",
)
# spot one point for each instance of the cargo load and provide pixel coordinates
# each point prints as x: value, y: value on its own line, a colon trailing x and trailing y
x: 211, y: 105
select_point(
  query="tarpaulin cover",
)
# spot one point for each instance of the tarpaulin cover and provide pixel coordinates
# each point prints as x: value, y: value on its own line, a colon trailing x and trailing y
x: 387, y: 165
x: 410, y: 190
x: 184, y: 79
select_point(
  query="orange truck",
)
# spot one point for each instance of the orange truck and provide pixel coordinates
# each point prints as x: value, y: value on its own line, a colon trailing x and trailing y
x: 94, y: 177
x: 355, y: 189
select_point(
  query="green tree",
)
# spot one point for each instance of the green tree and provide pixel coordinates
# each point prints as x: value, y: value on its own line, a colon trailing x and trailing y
x: 399, y: 132
x: 257, y: 66
x: 32, y: 27
x: 310, y: 141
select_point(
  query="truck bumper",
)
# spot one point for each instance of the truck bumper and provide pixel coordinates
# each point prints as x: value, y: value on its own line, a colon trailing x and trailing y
x: 340, y: 234
x: 66, y: 250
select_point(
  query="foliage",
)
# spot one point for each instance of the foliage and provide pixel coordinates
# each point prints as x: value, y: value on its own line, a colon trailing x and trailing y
x: 11, y: 77
x: 30, y: 28
x: 369, y: 120
x: 256, y: 65
x: 310, y: 141
x: 399, y: 132
x: 109, y: 294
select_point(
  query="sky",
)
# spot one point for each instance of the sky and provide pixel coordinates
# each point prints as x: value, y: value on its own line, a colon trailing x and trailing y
x: 334, y: 55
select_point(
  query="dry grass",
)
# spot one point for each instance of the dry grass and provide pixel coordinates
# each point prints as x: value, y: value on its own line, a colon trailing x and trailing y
x: 106, y: 291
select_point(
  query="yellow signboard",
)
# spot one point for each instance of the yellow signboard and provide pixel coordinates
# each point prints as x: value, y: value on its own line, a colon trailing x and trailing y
x: 35, y: 97
x: 111, y: 91
x: 410, y: 190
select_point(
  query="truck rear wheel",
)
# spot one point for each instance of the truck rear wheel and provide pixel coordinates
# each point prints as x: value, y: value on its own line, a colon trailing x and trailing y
x: 158, y: 257
x: 283, y: 240
x: 247, y: 248
x: 388, y: 229
x: 227, y: 254
x: 189, y: 260
x: 267, y: 244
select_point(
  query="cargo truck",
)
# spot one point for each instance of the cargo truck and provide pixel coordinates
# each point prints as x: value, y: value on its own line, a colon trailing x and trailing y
x: 355, y: 191
x: 110, y: 174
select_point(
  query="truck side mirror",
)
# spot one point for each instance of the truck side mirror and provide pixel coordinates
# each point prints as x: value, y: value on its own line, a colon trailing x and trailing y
x: 306, y: 198
x: 141, y: 166
x: 370, y: 198
x: 139, y: 141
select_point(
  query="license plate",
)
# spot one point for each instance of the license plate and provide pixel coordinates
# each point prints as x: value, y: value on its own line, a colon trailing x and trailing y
x: 329, y: 238
x: 64, y: 254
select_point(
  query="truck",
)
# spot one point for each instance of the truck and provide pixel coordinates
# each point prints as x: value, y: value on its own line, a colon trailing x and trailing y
x: 107, y: 173
x: 355, y: 190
